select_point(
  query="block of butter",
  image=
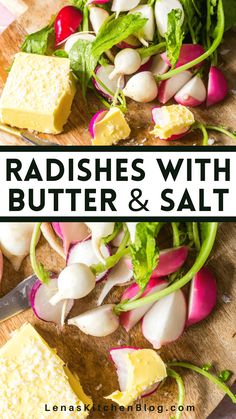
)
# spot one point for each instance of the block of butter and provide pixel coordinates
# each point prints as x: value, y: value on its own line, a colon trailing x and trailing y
x: 34, y: 380
x: 111, y: 129
x: 38, y: 93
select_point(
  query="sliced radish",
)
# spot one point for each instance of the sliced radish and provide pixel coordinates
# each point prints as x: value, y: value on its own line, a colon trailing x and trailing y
x: 217, y: 86
x: 71, y: 233
x: 170, y: 260
x: 130, y: 42
x: 146, y: 33
x: 39, y: 299
x: 129, y: 319
x: 119, y: 275
x: 162, y: 9
x: 103, y: 74
x: 202, y: 298
x: 168, y: 88
x: 67, y: 22
x: 188, y: 52
x: 83, y: 253
x: 165, y: 321
x: 119, y: 6
x: 71, y: 41
x: 96, y: 118
x: 97, y: 17
x: 159, y: 66
x: 192, y: 94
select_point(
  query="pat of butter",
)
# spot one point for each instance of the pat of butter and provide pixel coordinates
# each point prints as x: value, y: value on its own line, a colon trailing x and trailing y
x: 172, y: 120
x: 38, y: 93
x: 111, y: 129
x: 144, y: 368
x: 32, y: 376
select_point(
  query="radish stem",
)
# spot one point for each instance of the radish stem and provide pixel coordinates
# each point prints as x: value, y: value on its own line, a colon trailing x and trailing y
x: 196, y: 237
x: 176, y: 238
x: 38, y: 268
x: 173, y: 374
x: 199, y: 125
x: 223, y: 130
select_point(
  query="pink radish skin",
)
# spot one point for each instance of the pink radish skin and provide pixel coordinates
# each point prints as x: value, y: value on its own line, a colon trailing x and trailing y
x: 129, y: 319
x: 188, y: 52
x: 83, y: 253
x: 192, y: 94
x: 202, y: 297
x: 39, y: 300
x: 97, y: 2
x: 71, y: 233
x: 96, y: 118
x: 103, y: 74
x: 168, y: 88
x: 146, y: 66
x: 217, y: 86
x: 170, y: 260
x: 165, y: 321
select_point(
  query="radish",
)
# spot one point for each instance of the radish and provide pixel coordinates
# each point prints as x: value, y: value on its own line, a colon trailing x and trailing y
x: 97, y: 2
x: 146, y: 64
x: 119, y: 6
x: 217, y: 86
x: 71, y: 41
x: 127, y: 62
x: 71, y: 233
x: 129, y: 319
x: 192, y: 94
x: 162, y: 9
x: 168, y: 88
x: 188, y: 52
x: 103, y: 74
x: 97, y: 17
x: 202, y: 298
x: 99, y: 231
x: 165, y: 321
x: 39, y: 299
x: 99, y: 322
x: 52, y: 239
x: 98, y: 116
x: 146, y: 33
x: 172, y: 121
x: 67, y: 22
x: 159, y: 66
x: 141, y: 87
x: 83, y: 253
x: 119, y: 275
x: 132, y: 230
x: 75, y: 281
x: 130, y: 42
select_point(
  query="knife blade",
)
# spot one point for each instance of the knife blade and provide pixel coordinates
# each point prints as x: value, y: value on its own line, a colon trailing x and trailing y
x: 17, y: 300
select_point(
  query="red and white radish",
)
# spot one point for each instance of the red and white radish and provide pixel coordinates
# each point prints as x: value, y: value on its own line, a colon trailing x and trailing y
x: 40, y: 302
x: 168, y: 88
x: 165, y: 321
x: 119, y: 6
x: 162, y: 9
x: 193, y: 93
x: 129, y: 319
x: 71, y: 233
x: 141, y: 87
x: 146, y: 33
x: 130, y: 42
x: 202, y: 297
x: 146, y: 64
x: 99, y: 322
x: 159, y: 66
x: 127, y: 62
x: 99, y: 231
x: 75, y: 281
x: 83, y: 253
x: 98, y: 116
x: 97, y: 17
x: 97, y: 2
x: 217, y: 86
x: 67, y: 22
x: 188, y: 52
x: 103, y: 73
x: 119, y: 275
x: 71, y: 41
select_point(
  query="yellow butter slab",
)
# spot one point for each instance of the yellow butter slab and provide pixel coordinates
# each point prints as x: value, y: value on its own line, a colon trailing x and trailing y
x: 111, y: 129
x: 174, y: 120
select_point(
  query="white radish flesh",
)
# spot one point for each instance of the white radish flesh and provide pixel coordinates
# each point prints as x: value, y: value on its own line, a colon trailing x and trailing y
x: 132, y: 230
x: 83, y: 253
x: 84, y: 36
x: 127, y: 62
x: 75, y: 281
x: 202, y: 298
x: 71, y: 233
x: 103, y: 74
x: 129, y: 319
x: 165, y: 321
x: 168, y: 88
x: 147, y: 32
x: 99, y: 322
x: 192, y: 94
x: 119, y: 6
x: 97, y: 17
x: 141, y: 87
x: 159, y: 66
x: 162, y: 9
x: 99, y: 231
x: 39, y: 299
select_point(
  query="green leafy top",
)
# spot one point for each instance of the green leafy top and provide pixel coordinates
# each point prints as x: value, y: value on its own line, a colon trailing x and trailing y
x: 38, y: 42
x: 174, y: 35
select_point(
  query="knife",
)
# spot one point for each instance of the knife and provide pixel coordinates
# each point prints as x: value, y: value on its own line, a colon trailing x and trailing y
x: 26, y: 136
x: 17, y: 300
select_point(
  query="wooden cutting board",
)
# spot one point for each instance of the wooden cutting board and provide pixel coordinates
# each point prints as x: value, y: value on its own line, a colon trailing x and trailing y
x: 76, y: 131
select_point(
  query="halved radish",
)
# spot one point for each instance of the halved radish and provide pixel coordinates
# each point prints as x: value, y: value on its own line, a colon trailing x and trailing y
x: 98, y: 116
x: 103, y: 74
x: 129, y: 319
x: 130, y: 42
x: 66, y: 23
x: 39, y: 299
x: 146, y: 33
x: 168, y: 88
x: 217, y: 86
x: 159, y: 66
x: 202, y: 297
x: 119, y: 6
x: 165, y: 321
x: 84, y: 36
x: 192, y: 94
x: 71, y: 233
x: 97, y: 17
x: 162, y: 10
x: 83, y: 253
x: 188, y: 52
